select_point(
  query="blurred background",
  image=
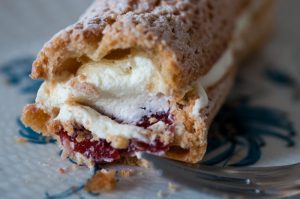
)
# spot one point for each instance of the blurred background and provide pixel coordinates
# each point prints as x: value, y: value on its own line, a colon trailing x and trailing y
x: 25, y: 25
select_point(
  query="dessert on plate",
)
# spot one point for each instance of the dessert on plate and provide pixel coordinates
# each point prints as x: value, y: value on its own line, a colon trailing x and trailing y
x: 136, y: 76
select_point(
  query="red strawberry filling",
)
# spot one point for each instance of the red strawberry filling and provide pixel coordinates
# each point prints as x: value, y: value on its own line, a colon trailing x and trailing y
x: 102, y: 151
x: 145, y: 122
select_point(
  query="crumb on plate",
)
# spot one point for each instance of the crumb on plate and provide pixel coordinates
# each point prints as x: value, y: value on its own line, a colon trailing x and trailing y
x: 64, y: 170
x: 102, y: 181
x: 143, y: 163
x: 172, y: 188
x: 21, y: 140
x: 126, y: 172
x: 134, y: 161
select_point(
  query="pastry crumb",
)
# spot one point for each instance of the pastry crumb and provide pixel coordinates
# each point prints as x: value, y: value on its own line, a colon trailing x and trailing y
x: 134, y: 161
x: 61, y: 171
x: 127, y: 172
x: 21, y: 140
x: 172, y: 188
x: 102, y: 181
x: 118, y: 142
x: 65, y: 170
x: 152, y: 120
x: 143, y: 163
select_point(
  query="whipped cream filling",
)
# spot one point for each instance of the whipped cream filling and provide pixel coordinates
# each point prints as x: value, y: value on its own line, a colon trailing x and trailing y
x: 126, y: 89
x: 220, y: 68
x: 129, y: 89
x: 215, y: 74
x: 90, y: 119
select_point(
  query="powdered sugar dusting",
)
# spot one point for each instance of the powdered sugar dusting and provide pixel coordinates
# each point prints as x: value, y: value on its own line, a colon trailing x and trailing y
x: 184, y: 35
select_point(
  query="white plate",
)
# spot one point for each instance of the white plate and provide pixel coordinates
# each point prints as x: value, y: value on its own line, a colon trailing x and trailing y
x: 270, y: 83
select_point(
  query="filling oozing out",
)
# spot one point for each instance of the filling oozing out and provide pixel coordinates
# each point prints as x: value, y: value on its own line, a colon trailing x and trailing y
x: 120, y: 97
x: 99, y: 151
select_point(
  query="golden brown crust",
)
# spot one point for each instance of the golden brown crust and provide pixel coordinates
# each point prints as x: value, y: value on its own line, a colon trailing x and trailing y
x: 184, y: 36
x: 35, y: 117
x: 196, y: 140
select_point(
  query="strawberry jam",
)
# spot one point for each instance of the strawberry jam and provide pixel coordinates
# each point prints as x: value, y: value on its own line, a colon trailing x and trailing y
x: 101, y: 151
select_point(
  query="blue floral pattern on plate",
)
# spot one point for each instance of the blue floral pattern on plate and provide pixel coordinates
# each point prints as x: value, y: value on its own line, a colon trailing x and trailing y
x: 238, y: 126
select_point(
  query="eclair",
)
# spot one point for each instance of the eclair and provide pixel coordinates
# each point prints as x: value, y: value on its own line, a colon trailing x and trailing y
x: 133, y: 76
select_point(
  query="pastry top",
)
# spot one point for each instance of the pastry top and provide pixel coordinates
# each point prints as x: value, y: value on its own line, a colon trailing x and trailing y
x: 185, y: 38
